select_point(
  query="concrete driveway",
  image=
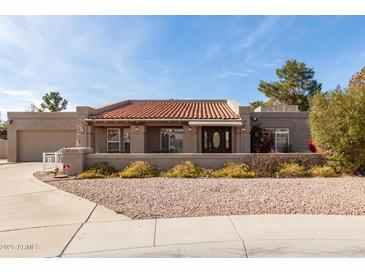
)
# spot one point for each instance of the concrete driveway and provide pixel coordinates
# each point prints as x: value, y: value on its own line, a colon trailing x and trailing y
x: 38, y: 220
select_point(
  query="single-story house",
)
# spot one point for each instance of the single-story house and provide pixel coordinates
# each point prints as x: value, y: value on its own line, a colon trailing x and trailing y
x: 156, y: 127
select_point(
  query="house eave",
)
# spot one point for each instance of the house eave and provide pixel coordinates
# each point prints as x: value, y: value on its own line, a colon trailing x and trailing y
x: 220, y: 121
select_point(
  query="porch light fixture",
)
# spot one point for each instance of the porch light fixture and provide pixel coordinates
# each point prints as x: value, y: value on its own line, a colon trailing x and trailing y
x: 136, y: 128
x: 190, y: 128
x: 243, y: 129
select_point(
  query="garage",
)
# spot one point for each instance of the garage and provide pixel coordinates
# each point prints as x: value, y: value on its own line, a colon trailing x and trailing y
x: 32, y: 143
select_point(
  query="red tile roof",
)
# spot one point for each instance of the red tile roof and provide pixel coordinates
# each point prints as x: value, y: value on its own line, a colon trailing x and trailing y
x: 171, y: 110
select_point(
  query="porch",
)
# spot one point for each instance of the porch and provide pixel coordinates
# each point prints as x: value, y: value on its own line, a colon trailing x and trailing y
x: 168, y: 137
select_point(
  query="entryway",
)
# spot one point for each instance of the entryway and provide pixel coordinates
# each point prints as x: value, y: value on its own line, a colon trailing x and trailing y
x: 216, y: 140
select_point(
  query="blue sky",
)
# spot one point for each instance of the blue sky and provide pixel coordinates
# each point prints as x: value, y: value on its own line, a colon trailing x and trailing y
x: 94, y: 60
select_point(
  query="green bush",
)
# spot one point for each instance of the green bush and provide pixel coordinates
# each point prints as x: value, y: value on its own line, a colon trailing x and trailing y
x: 100, y: 170
x: 323, y: 171
x: 292, y: 170
x: 139, y: 169
x: 337, y: 123
x: 234, y: 170
x: 186, y: 170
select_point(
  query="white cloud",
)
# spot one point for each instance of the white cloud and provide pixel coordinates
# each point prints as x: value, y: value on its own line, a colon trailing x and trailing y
x: 213, y: 51
x: 262, y: 31
x: 17, y: 93
x: 77, y: 57
x: 228, y: 73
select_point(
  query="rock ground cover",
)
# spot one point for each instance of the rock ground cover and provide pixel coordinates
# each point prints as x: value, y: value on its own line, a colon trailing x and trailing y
x: 167, y: 197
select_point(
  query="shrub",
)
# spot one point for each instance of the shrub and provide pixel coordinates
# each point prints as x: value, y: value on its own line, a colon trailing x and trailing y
x: 139, y: 169
x: 187, y: 170
x: 100, y: 170
x: 323, y: 171
x: 234, y: 170
x: 292, y: 170
x: 337, y: 122
x: 265, y: 165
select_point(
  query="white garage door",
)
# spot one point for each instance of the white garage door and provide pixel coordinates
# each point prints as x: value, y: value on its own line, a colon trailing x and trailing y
x: 32, y: 143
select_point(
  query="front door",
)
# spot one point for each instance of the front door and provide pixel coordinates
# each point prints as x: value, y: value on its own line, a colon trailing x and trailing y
x: 216, y: 140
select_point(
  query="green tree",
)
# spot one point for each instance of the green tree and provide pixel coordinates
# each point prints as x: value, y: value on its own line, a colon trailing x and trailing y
x: 358, y: 80
x: 53, y: 102
x: 255, y: 104
x: 337, y: 124
x: 295, y: 85
x: 3, y: 128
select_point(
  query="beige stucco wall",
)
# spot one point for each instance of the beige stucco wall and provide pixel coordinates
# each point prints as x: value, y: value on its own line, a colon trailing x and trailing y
x: 190, y: 139
x: 35, y: 121
x: 100, y: 139
x: 152, y: 143
x: 3, y: 149
x: 165, y: 161
x: 138, y: 137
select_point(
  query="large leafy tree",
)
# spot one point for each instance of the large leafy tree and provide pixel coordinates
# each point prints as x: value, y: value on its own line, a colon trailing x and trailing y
x: 295, y: 85
x: 358, y: 80
x: 337, y: 124
x: 53, y: 102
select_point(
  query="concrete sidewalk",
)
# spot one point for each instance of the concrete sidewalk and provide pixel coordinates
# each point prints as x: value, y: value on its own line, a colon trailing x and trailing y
x: 38, y: 220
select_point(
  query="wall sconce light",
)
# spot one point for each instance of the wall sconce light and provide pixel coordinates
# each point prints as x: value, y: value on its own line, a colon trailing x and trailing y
x: 243, y: 129
x: 136, y: 128
x: 190, y: 128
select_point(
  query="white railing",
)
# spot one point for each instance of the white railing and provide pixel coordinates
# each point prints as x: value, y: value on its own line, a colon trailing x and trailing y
x: 53, y: 159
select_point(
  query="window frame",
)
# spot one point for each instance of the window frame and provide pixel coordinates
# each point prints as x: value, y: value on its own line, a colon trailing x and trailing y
x: 124, y: 140
x: 107, y: 139
x: 169, y: 138
x: 287, y: 131
x: 275, y: 131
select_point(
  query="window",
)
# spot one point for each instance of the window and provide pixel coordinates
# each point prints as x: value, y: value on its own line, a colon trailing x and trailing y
x: 282, y: 140
x: 126, y: 140
x: 113, y: 139
x: 171, y: 140
x: 205, y: 139
x: 227, y: 139
x: 278, y: 139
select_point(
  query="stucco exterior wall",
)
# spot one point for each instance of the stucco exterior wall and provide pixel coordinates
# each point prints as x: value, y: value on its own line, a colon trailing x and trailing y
x: 190, y: 139
x: 100, y: 139
x: 3, y: 149
x: 165, y: 161
x: 35, y: 121
x: 152, y: 143
x: 299, y: 133
x: 138, y: 137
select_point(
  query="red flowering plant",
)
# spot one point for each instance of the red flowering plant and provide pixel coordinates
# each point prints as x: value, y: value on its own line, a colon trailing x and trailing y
x: 312, y: 147
x: 261, y: 141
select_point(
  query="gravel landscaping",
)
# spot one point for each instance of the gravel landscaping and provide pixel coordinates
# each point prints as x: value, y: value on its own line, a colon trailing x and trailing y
x: 167, y: 198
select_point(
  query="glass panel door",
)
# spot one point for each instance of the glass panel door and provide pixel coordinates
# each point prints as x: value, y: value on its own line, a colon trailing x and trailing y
x: 216, y: 140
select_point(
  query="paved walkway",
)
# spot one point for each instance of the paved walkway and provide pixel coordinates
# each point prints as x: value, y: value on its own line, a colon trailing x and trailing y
x: 38, y: 220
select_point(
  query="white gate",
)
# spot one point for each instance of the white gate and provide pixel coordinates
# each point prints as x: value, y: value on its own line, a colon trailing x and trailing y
x: 53, y: 160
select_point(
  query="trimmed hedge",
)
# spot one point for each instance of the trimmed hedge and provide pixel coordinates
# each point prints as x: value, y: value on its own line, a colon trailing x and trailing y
x: 292, y: 170
x: 234, y: 170
x: 139, y: 169
x: 186, y: 170
x: 323, y: 171
x: 100, y: 170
